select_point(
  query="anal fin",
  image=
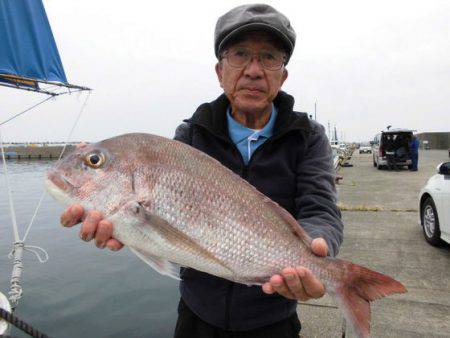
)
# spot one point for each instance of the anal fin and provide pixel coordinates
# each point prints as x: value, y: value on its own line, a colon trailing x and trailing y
x: 161, y: 265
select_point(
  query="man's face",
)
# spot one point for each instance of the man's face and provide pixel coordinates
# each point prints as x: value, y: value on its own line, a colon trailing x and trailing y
x: 251, y: 89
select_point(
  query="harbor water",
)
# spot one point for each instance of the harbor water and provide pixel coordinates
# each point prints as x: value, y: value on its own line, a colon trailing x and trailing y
x: 81, y: 291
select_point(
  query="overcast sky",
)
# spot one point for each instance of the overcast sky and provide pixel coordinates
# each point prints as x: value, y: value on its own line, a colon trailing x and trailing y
x: 368, y: 64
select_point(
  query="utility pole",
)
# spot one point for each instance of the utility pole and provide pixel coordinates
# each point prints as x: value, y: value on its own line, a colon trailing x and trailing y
x: 329, y: 132
x: 315, y: 110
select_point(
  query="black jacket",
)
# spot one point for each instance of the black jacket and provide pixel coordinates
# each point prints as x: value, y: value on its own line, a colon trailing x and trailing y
x: 294, y: 168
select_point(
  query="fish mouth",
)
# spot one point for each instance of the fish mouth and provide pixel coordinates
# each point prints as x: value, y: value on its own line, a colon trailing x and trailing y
x: 59, y: 181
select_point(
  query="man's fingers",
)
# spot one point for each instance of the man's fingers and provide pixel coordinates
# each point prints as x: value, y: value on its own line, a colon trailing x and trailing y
x: 267, y: 288
x: 314, y: 288
x: 66, y: 218
x: 89, y: 227
x: 94, y: 226
x: 294, y: 283
x: 280, y: 286
x: 114, y: 244
x: 72, y: 215
x: 103, y: 233
x: 319, y: 247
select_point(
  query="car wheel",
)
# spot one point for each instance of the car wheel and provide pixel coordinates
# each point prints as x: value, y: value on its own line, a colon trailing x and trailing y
x: 430, y: 222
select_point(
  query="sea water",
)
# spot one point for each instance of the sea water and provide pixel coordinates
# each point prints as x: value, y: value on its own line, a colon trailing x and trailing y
x: 81, y: 291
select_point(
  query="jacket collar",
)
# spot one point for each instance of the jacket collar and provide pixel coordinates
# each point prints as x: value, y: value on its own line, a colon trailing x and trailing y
x: 213, y: 116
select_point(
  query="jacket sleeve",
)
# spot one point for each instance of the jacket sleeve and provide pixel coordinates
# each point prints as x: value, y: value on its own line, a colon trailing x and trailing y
x: 183, y: 133
x: 315, y: 203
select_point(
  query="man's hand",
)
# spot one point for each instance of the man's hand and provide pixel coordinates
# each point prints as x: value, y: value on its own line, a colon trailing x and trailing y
x: 299, y: 283
x: 93, y: 227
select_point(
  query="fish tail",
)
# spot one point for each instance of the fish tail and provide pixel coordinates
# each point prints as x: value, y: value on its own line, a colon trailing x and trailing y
x: 357, y: 288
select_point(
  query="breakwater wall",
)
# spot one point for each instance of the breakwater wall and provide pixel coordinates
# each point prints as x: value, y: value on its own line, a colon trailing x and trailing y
x: 35, y: 152
x: 435, y: 140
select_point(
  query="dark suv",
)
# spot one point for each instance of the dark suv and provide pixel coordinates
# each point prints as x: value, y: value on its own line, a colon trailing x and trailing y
x: 392, y: 144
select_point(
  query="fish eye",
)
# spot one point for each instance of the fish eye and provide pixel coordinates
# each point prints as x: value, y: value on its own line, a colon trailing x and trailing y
x: 94, y: 160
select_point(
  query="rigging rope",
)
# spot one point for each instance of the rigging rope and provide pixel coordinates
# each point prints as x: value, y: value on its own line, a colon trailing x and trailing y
x: 60, y: 156
x: 26, y: 110
x: 8, y: 187
x: 19, y: 247
x: 15, y: 292
x: 20, y: 324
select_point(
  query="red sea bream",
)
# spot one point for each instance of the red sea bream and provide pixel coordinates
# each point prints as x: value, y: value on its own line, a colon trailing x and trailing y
x: 174, y: 206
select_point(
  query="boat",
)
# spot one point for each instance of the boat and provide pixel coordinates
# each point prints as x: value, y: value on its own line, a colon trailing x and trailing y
x: 29, y: 61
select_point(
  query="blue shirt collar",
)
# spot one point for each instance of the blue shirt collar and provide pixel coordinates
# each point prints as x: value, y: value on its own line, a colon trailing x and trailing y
x: 238, y: 132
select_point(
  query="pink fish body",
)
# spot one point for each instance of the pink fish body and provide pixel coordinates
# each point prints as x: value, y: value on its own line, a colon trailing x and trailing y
x: 174, y: 206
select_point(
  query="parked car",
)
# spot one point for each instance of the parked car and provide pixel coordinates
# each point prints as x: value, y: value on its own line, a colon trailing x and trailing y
x: 365, y: 150
x: 393, y: 143
x: 434, y: 206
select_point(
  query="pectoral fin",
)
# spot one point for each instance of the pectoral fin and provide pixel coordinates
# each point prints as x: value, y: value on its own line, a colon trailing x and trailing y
x: 173, y: 235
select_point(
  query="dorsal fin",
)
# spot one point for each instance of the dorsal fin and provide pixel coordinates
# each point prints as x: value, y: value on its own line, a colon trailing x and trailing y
x: 289, y: 219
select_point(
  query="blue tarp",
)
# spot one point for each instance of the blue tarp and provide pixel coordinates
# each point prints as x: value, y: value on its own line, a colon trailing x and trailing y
x: 27, y: 46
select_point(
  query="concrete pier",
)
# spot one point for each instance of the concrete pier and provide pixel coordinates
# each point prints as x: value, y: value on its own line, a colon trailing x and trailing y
x: 36, y: 150
x: 389, y: 240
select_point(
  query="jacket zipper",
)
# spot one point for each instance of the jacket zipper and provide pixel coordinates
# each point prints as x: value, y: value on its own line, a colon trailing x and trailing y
x: 228, y: 297
x: 230, y: 287
x: 244, y: 175
x: 245, y: 170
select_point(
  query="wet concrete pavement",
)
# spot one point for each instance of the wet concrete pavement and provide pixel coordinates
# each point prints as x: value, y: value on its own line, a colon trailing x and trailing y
x: 390, y: 241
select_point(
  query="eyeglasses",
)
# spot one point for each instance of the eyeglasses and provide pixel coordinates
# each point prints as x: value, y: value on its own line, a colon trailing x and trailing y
x: 240, y: 57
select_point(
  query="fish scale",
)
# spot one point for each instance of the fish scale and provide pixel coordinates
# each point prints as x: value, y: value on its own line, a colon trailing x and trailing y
x: 228, y: 228
x: 172, y: 204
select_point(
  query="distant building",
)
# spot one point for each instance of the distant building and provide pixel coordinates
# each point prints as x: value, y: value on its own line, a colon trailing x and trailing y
x: 434, y: 140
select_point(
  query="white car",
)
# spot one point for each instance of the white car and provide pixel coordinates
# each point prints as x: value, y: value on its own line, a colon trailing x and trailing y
x: 434, y: 206
x: 365, y: 150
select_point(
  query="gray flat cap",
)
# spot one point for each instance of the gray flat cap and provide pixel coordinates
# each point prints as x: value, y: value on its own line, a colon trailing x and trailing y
x: 254, y: 17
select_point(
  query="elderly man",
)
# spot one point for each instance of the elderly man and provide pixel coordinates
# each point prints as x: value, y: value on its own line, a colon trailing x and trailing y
x: 252, y: 129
